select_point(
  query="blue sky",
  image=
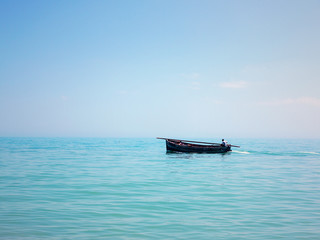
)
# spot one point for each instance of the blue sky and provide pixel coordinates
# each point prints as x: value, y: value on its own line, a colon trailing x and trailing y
x: 206, y: 69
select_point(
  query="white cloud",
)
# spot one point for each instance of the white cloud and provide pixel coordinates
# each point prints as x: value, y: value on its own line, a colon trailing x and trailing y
x: 64, y: 98
x: 195, y: 85
x: 309, y: 100
x: 235, y: 84
x: 291, y: 101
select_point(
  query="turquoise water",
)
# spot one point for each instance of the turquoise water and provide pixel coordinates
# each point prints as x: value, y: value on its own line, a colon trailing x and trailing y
x: 94, y: 188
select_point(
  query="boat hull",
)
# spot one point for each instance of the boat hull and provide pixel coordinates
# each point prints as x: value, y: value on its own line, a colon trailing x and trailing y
x: 173, y: 146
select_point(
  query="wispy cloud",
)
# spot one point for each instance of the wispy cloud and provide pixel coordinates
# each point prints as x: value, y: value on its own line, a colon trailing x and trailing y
x: 195, y: 85
x: 64, y: 98
x: 291, y: 101
x: 235, y: 84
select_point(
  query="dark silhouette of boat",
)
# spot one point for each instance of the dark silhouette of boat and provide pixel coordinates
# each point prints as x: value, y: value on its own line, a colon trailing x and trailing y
x: 177, y: 145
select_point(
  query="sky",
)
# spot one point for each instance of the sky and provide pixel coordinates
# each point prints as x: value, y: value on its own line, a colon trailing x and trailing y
x: 160, y: 68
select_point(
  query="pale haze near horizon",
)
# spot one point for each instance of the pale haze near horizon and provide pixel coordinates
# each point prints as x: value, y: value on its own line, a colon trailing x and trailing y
x: 202, y: 69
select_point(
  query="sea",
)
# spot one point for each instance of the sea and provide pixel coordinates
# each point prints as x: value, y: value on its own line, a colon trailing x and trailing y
x: 131, y: 188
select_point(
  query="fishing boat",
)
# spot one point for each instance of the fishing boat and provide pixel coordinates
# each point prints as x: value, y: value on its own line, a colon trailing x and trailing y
x: 187, y: 146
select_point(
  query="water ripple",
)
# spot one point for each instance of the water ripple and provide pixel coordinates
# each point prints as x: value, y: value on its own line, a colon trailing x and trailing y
x: 132, y: 189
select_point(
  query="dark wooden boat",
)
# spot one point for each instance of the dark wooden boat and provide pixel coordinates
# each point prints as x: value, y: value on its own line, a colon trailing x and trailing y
x: 176, y: 145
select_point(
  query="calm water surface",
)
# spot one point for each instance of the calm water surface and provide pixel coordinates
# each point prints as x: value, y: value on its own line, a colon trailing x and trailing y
x: 87, y: 188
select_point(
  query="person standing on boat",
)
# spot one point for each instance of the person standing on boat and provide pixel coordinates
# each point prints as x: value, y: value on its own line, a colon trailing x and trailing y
x: 224, y: 143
